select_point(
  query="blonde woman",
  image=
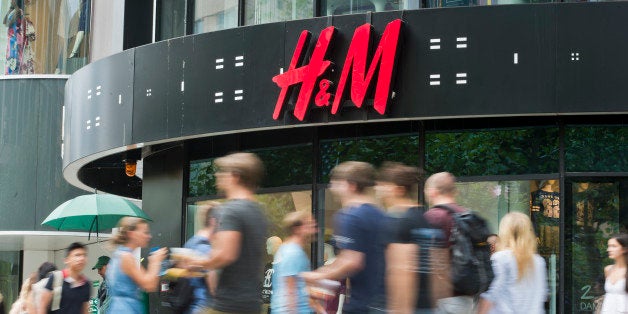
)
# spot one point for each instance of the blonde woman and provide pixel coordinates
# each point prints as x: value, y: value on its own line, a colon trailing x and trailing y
x: 125, y: 276
x: 520, y: 284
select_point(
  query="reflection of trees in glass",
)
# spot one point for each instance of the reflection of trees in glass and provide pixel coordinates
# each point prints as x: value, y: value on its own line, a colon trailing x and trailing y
x: 202, y: 181
x: 497, y: 152
x: 374, y: 150
x: 287, y: 166
x: 493, y: 199
x: 595, y: 219
x: 284, y: 166
x: 594, y: 148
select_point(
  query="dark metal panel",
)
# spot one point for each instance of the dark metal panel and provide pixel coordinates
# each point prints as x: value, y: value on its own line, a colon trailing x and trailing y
x: 434, y: 51
x: 258, y: 90
x: 150, y: 92
x: 591, y: 62
x: 180, y: 52
x: 213, y: 78
x: 100, y: 99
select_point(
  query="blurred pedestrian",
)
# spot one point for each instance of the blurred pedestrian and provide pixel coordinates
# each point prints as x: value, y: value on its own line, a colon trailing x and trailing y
x: 440, y: 190
x: 239, y: 242
x: 75, y: 287
x: 395, y: 183
x: 359, y: 235
x: 126, y: 278
x: 204, y: 287
x: 289, y: 290
x: 22, y: 305
x: 520, y: 283
x: 101, y: 268
x: 616, y: 283
x: 41, y: 279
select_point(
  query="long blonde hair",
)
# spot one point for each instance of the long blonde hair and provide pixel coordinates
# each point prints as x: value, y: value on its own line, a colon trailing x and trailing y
x: 516, y: 234
x: 125, y: 225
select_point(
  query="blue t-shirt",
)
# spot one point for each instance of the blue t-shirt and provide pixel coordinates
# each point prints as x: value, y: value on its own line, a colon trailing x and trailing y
x: 201, y: 292
x: 290, y: 260
x: 361, y: 228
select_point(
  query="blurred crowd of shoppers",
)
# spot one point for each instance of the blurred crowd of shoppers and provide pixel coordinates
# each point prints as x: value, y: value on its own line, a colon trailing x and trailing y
x: 375, y: 264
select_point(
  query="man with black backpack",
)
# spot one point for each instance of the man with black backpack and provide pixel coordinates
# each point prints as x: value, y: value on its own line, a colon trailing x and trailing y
x: 470, y: 267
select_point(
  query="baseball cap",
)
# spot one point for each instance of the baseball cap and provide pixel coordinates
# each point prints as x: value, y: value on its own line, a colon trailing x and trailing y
x: 102, y: 261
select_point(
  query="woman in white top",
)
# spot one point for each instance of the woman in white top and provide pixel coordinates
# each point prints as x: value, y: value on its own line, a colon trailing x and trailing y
x: 616, y: 286
x: 520, y: 283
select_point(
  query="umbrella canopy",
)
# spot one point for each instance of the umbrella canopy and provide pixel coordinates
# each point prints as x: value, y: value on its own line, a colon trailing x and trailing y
x: 93, y: 213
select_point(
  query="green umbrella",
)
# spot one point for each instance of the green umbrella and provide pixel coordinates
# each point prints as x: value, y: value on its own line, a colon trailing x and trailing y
x: 93, y: 213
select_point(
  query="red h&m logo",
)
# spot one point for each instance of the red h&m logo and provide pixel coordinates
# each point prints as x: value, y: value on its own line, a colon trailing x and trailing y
x: 355, y: 64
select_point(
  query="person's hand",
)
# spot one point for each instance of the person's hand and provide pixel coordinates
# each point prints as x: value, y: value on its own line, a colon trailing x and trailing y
x: 158, y: 256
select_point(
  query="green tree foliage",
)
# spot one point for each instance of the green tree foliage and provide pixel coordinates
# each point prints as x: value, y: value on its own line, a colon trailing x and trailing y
x: 495, y: 152
x: 593, y: 148
x: 373, y: 150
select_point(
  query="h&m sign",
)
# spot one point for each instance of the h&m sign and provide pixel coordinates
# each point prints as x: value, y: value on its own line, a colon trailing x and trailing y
x: 355, y: 66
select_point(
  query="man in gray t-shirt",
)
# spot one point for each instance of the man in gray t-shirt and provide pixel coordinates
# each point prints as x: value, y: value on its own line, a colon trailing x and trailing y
x: 239, y: 242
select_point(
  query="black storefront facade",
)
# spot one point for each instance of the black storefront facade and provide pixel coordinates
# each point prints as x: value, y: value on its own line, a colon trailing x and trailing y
x: 526, y: 105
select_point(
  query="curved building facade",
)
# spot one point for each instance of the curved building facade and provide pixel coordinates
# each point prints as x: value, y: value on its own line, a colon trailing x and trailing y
x: 524, y: 104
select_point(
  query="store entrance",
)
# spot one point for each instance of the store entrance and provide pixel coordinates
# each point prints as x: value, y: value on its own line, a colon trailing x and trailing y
x: 596, y: 210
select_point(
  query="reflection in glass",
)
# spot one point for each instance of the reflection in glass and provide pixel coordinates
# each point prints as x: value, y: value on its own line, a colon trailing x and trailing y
x: 44, y: 36
x: 495, y: 152
x: 286, y: 166
x: 596, y: 217
x: 338, y: 7
x: 276, y: 206
x: 596, y: 148
x: 267, y: 11
x: 172, y: 19
x: 9, y: 274
x: 494, y: 199
x: 404, y: 149
x: 215, y: 15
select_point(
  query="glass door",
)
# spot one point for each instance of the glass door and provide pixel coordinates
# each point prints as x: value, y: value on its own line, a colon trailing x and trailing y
x: 596, y: 210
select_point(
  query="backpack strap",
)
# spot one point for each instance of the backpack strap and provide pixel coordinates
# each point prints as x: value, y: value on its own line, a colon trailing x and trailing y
x: 57, y: 286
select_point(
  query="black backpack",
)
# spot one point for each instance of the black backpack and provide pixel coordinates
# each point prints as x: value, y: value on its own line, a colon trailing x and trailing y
x: 471, y: 269
x: 179, y: 296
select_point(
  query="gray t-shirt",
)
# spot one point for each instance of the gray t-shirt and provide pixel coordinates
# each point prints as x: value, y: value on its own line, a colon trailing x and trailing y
x: 239, y: 285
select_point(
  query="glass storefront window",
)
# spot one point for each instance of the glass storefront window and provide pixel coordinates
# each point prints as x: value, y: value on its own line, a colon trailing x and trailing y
x: 202, y: 180
x: 596, y: 148
x: 9, y: 277
x: 495, y: 152
x: 403, y: 149
x: 276, y: 206
x: 596, y: 214
x: 338, y: 7
x: 44, y: 36
x: 267, y: 11
x: 493, y: 200
x: 171, y: 19
x: 285, y: 166
x: 215, y: 15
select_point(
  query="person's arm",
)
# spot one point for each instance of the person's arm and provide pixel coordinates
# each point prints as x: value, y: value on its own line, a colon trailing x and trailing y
x: 85, y: 308
x: 347, y: 263
x: 147, y: 279
x: 212, y: 281
x: 44, y: 300
x: 291, y: 289
x: 401, y: 277
x: 225, y: 250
